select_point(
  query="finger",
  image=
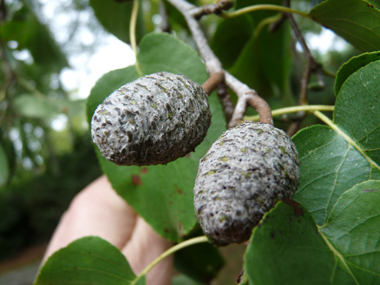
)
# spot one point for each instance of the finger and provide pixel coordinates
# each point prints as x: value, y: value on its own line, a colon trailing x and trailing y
x: 97, y: 210
x: 144, y: 246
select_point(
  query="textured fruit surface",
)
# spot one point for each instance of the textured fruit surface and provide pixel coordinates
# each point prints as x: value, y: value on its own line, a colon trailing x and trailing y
x: 153, y: 120
x: 245, y: 172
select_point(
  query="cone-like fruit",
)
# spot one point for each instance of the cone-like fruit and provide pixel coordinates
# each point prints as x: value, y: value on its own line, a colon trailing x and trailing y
x: 245, y: 172
x: 153, y: 120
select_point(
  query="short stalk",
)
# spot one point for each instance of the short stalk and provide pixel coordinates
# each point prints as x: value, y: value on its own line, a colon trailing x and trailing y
x: 169, y: 252
x: 263, y: 7
x: 213, y: 82
x: 132, y: 33
x: 289, y: 110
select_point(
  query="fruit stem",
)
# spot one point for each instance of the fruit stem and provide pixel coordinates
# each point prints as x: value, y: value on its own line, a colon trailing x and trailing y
x: 132, y: 33
x: 167, y: 253
x: 213, y: 82
x: 254, y: 8
x: 295, y: 109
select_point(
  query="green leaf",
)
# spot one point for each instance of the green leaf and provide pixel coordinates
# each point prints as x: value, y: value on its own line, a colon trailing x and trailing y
x: 162, y: 195
x: 201, y: 262
x: 89, y: 260
x: 4, y: 166
x: 235, y: 30
x: 357, y: 110
x: 353, y: 229
x: 288, y: 248
x: 353, y: 65
x: 329, y: 166
x: 163, y: 52
x: 115, y: 16
x: 356, y: 21
x: 333, y: 161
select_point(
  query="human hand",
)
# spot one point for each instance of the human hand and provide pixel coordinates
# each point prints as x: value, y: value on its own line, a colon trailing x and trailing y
x: 98, y: 211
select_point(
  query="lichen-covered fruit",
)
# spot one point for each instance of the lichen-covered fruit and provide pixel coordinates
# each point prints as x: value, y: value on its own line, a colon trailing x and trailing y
x: 153, y: 120
x: 245, y: 172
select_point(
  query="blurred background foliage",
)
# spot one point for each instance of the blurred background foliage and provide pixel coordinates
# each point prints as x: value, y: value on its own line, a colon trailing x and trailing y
x: 46, y: 155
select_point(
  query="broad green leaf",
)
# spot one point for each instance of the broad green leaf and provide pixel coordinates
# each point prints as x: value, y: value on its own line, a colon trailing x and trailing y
x: 288, y: 248
x: 333, y: 161
x: 162, y: 195
x: 89, y: 260
x: 353, y: 229
x: 230, y: 38
x: 201, y: 262
x: 356, y: 21
x: 115, y: 16
x: 357, y: 110
x: 353, y: 65
x: 329, y: 166
x: 4, y: 166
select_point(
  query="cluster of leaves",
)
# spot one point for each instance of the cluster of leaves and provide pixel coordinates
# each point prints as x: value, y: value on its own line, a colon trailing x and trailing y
x: 333, y: 236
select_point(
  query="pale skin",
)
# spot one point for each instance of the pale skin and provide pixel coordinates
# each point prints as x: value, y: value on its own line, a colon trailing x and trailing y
x: 98, y: 211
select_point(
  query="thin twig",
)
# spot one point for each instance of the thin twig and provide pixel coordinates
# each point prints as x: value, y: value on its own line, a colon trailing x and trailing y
x: 170, y: 251
x: 225, y: 100
x: 254, y: 100
x: 215, y: 8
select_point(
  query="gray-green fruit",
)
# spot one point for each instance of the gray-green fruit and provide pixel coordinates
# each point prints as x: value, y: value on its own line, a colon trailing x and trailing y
x: 153, y: 120
x: 245, y: 172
